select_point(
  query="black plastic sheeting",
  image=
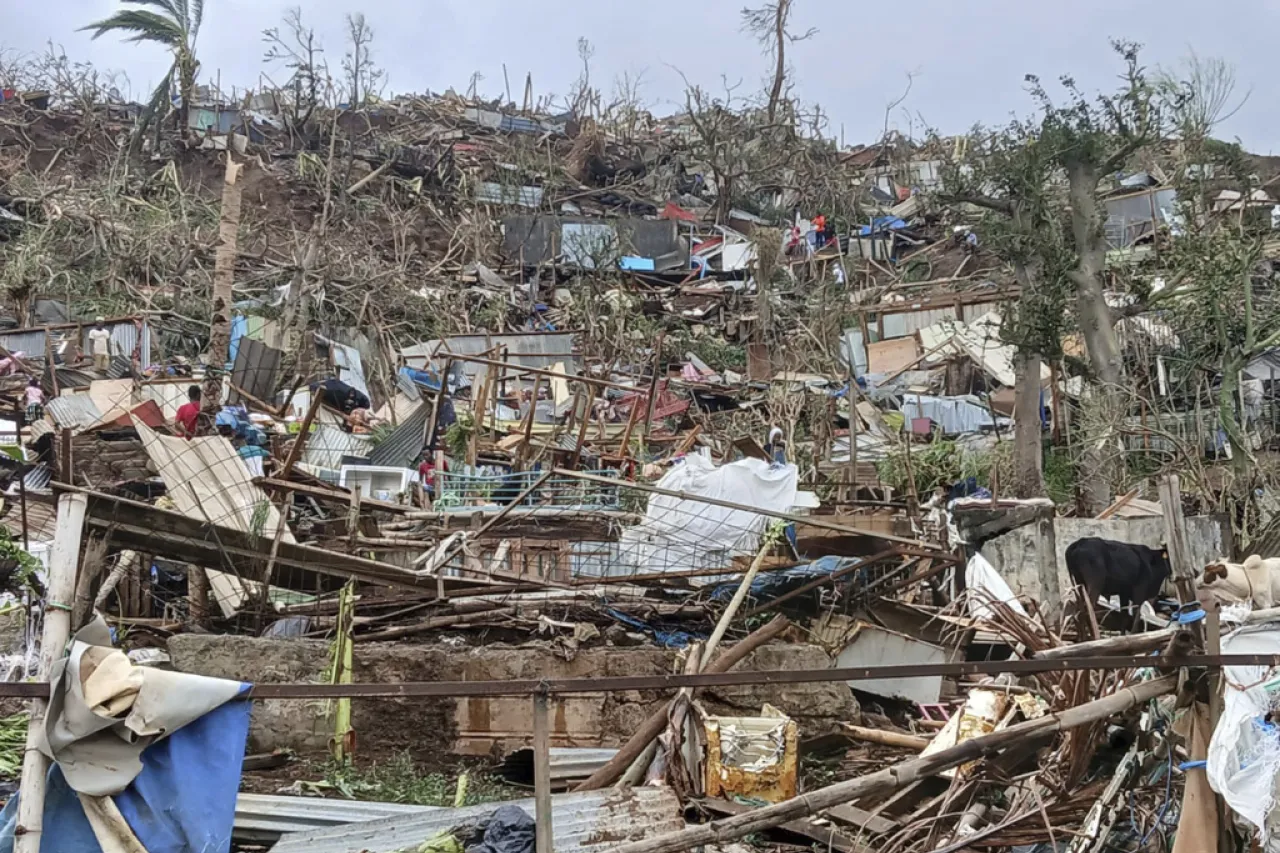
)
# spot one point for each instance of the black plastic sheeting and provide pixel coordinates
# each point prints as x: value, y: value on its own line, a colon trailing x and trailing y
x: 510, y: 830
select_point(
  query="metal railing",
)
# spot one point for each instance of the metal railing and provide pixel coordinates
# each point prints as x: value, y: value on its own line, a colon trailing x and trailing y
x: 463, y: 491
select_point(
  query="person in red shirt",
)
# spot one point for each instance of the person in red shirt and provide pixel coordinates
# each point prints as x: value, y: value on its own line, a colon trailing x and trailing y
x: 189, y: 413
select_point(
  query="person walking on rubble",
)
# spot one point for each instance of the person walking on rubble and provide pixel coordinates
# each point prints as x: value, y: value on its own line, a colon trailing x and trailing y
x: 100, y: 345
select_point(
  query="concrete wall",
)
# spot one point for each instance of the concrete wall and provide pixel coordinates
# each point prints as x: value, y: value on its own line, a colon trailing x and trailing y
x: 1013, y: 554
x: 482, y: 726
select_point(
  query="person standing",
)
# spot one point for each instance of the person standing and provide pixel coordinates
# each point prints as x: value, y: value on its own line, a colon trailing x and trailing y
x: 189, y: 413
x: 35, y: 401
x: 100, y: 345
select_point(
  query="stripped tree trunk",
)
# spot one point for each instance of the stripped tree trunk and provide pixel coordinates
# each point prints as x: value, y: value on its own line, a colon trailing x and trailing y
x: 224, y: 265
x: 1028, y: 449
x: 1100, y: 461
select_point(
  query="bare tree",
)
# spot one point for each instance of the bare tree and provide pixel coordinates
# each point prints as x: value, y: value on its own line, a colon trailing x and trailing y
x: 1200, y: 94
x: 300, y: 52
x: 583, y: 97
x: 768, y: 23
x: 364, y: 79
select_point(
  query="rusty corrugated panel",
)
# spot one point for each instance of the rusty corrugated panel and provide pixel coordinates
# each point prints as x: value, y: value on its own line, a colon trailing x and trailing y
x: 590, y: 820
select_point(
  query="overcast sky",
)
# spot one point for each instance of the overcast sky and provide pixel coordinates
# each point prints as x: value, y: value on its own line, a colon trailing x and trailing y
x: 968, y: 58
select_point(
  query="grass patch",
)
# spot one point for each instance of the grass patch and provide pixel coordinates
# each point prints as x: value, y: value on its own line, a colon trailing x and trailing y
x: 399, y: 780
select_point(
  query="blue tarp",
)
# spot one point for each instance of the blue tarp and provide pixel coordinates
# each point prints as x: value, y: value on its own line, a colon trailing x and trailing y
x: 670, y: 639
x: 773, y: 584
x: 239, y: 328
x: 183, y: 800
x: 636, y: 263
x: 881, y: 223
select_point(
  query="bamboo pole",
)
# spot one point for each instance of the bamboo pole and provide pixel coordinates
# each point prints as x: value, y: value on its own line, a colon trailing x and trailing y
x: 1125, y: 644
x: 657, y: 722
x: 899, y: 739
x: 53, y: 642
x: 543, y: 830
x: 901, y: 774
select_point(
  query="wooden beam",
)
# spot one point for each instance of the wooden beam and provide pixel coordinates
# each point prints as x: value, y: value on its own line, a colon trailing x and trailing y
x: 295, y: 452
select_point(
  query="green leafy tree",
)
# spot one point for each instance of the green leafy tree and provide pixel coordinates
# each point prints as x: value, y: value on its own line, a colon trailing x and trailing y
x: 175, y: 25
x: 1008, y: 174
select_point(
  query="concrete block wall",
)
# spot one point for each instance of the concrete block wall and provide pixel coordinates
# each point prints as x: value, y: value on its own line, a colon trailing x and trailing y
x: 484, y: 726
x: 1013, y: 554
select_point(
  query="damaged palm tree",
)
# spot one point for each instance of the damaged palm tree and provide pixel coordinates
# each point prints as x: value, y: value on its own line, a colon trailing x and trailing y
x: 176, y: 26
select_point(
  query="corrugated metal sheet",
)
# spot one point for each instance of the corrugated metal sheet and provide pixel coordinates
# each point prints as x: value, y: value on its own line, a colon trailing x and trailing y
x: 532, y: 350
x: 400, y: 449
x: 32, y: 343
x: 126, y: 337
x: 327, y: 445
x: 350, y: 367
x: 255, y: 369
x: 73, y: 411
x: 581, y: 821
x: 567, y: 764
x: 120, y: 367
x: 263, y: 817
x: 489, y: 192
x: 38, y: 479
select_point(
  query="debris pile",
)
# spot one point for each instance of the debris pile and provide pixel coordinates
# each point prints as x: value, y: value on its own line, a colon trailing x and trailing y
x: 692, y: 468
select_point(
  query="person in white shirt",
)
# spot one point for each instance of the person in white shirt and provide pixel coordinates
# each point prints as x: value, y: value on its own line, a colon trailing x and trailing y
x: 100, y: 345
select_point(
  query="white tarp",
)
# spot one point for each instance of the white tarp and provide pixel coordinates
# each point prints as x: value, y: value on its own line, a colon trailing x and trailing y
x: 1244, y: 754
x: 679, y: 534
x: 984, y: 585
x: 105, y: 711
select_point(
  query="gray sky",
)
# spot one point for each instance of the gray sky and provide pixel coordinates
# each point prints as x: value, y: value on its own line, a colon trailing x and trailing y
x: 969, y: 58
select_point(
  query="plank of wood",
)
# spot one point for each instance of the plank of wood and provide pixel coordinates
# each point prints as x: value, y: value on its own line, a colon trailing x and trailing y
x: 862, y: 819
x: 828, y: 837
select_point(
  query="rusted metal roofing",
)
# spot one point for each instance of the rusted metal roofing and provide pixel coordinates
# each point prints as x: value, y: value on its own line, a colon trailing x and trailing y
x: 588, y: 820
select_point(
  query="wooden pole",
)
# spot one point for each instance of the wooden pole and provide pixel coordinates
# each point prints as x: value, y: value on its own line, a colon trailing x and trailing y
x: 898, y: 739
x: 53, y: 642
x: 901, y: 774
x: 657, y: 722
x: 542, y: 774
x: 587, y: 399
x: 1125, y: 644
x: 295, y: 452
x: 653, y: 389
x: 523, y: 453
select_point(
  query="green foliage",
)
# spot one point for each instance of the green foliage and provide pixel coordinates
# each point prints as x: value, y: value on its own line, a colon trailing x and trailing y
x: 399, y: 780
x: 457, y: 437
x: 12, y: 551
x: 938, y: 463
x: 13, y: 742
x: 1059, y: 475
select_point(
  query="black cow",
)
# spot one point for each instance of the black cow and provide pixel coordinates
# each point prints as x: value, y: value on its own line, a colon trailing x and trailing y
x: 1134, y: 573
